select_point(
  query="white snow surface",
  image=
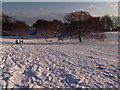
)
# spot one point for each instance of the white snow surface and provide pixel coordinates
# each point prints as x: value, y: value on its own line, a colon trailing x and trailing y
x: 68, y: 64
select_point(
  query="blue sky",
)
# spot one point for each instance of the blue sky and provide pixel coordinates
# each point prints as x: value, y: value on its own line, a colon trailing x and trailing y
x: 60, y: 0
x: 31, y: 11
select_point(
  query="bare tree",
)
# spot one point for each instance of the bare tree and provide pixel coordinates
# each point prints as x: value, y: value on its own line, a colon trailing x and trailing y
x: 82, y: 24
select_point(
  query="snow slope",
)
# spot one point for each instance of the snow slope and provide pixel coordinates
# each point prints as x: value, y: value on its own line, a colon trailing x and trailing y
x: 40, y: 64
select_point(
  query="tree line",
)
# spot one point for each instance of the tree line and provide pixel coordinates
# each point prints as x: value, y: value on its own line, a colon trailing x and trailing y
x: 76, y: 24
x: 13, y: 27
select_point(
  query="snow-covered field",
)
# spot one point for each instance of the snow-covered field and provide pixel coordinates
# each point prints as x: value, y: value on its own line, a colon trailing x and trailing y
x: 68, y: 64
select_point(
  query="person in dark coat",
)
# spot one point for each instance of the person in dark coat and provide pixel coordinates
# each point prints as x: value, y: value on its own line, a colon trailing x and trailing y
x: 16, y: 41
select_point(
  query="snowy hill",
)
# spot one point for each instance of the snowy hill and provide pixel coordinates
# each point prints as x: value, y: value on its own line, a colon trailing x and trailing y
x: 40, y: 64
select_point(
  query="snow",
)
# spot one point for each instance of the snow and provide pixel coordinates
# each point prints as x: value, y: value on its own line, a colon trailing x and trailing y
x: 68, y: 64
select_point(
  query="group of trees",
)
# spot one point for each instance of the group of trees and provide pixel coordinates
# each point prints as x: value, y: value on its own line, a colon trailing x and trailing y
x: 76, y: 24
x: 82, y: 24
x: 11, y: 26
x: 47, y: 27
x: 110, y: 23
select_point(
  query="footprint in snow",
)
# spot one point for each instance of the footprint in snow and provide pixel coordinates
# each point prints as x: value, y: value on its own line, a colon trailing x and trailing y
x: 101, y: 68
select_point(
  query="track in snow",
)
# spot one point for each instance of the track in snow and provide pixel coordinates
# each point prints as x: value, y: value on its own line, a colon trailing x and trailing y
x: 40, y: 64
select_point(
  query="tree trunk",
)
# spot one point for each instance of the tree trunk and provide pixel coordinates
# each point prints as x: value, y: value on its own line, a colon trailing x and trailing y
x: 54, y: 35
x: 80, y: 39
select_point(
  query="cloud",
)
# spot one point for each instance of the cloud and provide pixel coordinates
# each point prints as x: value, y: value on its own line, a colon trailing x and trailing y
x: 95, y: 7
x: 41, y: 9
x: 114, y: 5
x: 96, y: 15
x: 82, y: 9
x: 53, y: 15
x: 17, y: 14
